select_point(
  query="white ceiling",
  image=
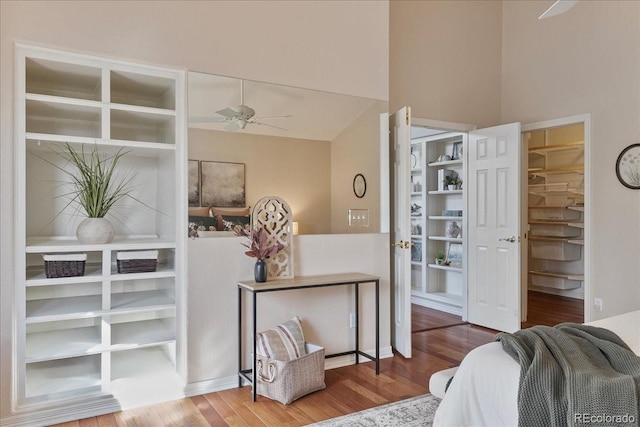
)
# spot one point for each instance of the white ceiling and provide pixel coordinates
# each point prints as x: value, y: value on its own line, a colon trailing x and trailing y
x: 315, y: 115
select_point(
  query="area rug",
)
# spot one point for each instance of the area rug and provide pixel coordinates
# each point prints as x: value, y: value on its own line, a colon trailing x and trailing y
x: 413, y: 412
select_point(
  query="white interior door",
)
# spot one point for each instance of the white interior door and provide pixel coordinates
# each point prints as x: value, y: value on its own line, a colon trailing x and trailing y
x: 400, y: 141
x: 494, y: 189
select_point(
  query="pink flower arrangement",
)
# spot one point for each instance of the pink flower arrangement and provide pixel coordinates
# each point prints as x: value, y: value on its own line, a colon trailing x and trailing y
x: 258, y: 246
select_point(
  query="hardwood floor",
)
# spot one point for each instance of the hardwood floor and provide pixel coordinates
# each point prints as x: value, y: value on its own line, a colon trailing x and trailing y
x: 440, y: 341
x: 546, y: 309
x: 349, y: 389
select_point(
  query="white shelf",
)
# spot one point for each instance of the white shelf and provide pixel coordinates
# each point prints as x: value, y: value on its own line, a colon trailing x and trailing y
x: 445, y: 267
x: 62, y: 100
x: 76, y: 376
x: 445, y: 218
x: 48, y: 310
x: 137, y: 301
x: 130, y: 335
x: 446, y: 239
x: 37, y: 277
x: 71, y: 244
x: 145, y: 376
x: 445, y: 163
x: 446, y: 192
x: 52, y: 345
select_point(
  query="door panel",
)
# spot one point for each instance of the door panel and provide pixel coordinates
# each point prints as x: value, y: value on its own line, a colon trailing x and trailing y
x: 494, y: 227
x: 400, y: 140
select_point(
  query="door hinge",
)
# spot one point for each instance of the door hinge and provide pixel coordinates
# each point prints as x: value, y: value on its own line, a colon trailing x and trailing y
x: 407, y: 116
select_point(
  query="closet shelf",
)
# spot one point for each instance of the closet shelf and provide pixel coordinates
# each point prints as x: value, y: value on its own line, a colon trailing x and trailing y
x: 444, y: 218
x: 552, y: 171
x: 557, y: 240
x: 558, y: 222
x: 555, y: 280
x: 574, y: 145
x: 557, y: 274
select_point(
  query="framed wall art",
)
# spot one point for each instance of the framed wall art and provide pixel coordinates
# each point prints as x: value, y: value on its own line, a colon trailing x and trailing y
x: 454, y: 254
x: 222, y: 184
x: 193, y: 183
x: 628, y: 167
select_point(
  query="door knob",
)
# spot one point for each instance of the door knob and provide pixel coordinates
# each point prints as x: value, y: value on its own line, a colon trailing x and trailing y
x: 510, y: 239
x: 402, y: 244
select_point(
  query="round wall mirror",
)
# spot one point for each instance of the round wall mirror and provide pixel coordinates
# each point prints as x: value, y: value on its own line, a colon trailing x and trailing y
x: 359, y: 185
x: 628, y: 167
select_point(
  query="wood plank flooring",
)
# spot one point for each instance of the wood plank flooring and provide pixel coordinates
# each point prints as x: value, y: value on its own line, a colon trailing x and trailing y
x: 440, y: 341
x: 546, y: 309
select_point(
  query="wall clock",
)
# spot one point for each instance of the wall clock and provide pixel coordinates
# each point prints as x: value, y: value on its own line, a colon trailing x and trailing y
x: 359, y: 186
x: 628, y: 167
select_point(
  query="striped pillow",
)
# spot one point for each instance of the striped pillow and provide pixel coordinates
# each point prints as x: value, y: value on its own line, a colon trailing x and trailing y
x: 284, y: 342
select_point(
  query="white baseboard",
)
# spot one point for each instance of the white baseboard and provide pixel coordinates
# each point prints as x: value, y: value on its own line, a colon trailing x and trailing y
x: 210, y: 386
x: 32, y: 416
x: 436, y: 305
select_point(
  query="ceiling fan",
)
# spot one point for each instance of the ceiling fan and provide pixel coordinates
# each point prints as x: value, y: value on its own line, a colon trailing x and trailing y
x: 238, y: 117
x: 560, y: 6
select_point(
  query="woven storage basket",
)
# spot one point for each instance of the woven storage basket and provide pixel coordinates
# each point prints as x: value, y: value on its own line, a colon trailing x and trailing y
x: 137, y: 261
x: 64, y: 265
x: 286, y: 381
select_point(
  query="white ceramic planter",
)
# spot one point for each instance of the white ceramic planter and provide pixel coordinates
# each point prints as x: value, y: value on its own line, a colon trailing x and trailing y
x: 95, y: 231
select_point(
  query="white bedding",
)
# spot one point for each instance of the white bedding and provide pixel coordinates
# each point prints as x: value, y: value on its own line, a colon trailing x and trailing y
x: 484, y: 390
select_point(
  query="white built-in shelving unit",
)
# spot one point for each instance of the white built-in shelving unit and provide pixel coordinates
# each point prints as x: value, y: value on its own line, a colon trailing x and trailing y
x: 102, y: 333
x: 439, y: 286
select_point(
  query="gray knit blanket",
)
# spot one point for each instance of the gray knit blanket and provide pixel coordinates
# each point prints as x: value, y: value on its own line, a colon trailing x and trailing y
x: 574, y: 375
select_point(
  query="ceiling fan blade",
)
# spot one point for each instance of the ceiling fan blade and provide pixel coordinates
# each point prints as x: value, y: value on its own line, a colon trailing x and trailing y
x: 253, y: 122
x: 560, y: 6
x: 229, y: 113
x: 273, y: 117
x: 205, y: 119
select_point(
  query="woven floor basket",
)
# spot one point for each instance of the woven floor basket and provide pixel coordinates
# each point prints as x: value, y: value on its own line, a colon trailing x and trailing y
x: 287, y: 381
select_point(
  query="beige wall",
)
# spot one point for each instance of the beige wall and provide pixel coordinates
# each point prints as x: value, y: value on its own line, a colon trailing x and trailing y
x: 586, y: 61
x: 356, y: 150
x: 444, y: 60
x: 338, y: 47
x: 298, y: 170
x: 487, y: 63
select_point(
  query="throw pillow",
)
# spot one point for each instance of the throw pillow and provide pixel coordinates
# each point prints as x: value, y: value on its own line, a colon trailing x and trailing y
x: 230, y: 222
x: 201, y: 223
x: 284, y: 342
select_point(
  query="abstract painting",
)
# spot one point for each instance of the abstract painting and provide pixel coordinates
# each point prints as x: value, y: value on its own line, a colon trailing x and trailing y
x: 194, y: 183
x: 222, y: 184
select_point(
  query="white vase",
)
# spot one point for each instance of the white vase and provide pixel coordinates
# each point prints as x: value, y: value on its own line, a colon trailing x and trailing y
x: 95, y: 231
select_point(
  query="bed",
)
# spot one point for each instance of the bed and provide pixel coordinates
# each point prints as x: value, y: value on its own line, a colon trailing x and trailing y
x: 484, y: 389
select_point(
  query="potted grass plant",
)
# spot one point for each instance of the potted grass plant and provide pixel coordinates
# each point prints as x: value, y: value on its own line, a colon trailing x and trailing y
x: 96, y: 187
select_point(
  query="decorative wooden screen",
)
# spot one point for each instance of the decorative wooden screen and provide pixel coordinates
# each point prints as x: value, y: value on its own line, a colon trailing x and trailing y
x: 275, y: 216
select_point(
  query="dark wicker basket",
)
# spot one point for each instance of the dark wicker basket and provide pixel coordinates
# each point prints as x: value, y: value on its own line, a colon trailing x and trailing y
x: 137, y: 265
x: 55, y: 269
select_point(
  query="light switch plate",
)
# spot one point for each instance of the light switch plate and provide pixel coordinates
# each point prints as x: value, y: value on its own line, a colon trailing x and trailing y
x: 358, y: 217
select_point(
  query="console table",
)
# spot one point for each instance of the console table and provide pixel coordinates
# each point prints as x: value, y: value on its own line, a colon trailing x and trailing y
x: 306, y: 282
